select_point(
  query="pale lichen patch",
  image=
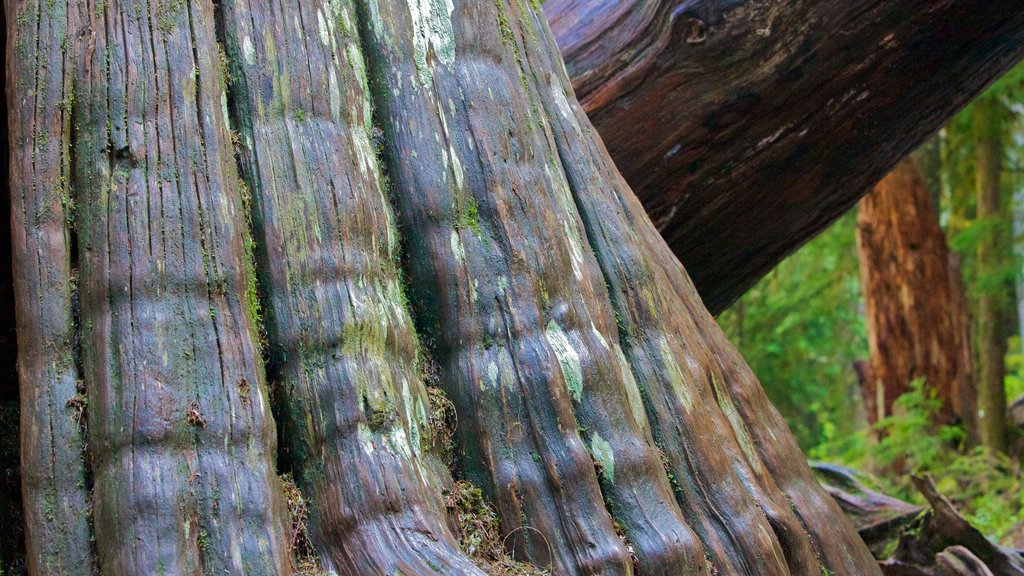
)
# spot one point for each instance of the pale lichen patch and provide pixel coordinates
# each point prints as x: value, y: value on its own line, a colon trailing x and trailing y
x: 568, y: 359
x: 598, y: 336
x: 248, y: 50
x: 738, y: 427
x: 575, y: 251
x: 322, y: 30
x: 457, y: 249
x: 675, y: 375
x: 636, y: 403
x: 492, y: 375
x: 602, y: 452
x: 562, y: 103
x: 432, y: 33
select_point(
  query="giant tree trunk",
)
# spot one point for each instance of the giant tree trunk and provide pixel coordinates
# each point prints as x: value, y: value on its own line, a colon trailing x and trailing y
x: 747, y: 126
x: 214, y: 145
x: 916, y: 310
x: 992, y: 301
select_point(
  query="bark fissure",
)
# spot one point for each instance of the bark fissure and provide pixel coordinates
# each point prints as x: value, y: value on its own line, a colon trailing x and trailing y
x: 55, y: 491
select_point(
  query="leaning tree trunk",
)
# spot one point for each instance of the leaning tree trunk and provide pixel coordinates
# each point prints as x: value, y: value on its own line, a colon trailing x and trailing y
x: 915, y: 306
x: 725, y: 115
x: 170, y: 153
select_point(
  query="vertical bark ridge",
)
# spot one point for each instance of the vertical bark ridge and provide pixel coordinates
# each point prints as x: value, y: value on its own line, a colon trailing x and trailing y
x: 734, y: 515
x: 503, y: 273
x: 767, y: 436
x: 684, y: 358
x: 343, y: 346
x: 182, y: 437
x: 54, y: 473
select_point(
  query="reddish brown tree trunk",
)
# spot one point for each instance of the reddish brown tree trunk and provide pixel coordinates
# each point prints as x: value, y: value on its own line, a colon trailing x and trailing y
x: 747, y: 126
x: 917, y: 320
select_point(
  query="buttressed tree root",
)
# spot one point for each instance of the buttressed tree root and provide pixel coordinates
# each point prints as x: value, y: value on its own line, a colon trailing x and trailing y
x: 327, y: 148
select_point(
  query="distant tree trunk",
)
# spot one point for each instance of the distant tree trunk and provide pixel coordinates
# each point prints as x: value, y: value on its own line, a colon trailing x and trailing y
x: 992, y: 302
x: 1017, y: 214
x: 917, y: 320
x: 726, y: 115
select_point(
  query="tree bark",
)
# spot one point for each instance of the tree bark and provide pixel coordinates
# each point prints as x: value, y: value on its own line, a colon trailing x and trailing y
x: 595, y: 393
x: 992, y: 303
x: 181, y: 436
x: 917, y: 320
x: 725, y: 116
x: 342, y: 344
x: 513, y: 127
x: 53, y: 469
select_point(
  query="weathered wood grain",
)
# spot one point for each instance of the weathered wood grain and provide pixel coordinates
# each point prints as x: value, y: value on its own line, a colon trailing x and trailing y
x: 914, y: 299
x: 482, y: 99
x: 665, y: 324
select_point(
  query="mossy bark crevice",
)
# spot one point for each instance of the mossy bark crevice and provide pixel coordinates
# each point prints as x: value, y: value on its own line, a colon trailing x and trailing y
x: 341, y: 341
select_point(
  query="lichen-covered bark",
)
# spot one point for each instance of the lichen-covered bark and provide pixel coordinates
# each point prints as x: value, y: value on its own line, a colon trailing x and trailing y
x: 914, y: 301
x: 497, y: 172
x: 181, y: 436
x: 747, y: 126
x: 598, y: 403
x: 53, y: 468
x: 508, y: 287
x: 343, y: 348
x: 658, y: 303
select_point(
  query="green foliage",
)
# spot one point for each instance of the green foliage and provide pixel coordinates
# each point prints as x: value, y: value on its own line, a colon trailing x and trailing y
x: 909, y: 437
x: 985, y: 487
x: 1014, y: 369
x: 800, y: 328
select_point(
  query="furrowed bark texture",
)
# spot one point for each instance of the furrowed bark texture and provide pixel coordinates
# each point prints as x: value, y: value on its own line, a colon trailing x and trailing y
x: 525, y: 246
x: 914, y: 298
x: 747, y: 126
x: 343, y: 347
x: 181, y: 437
x: 479, y: 192
x: 53, y: 469
x: 599, y: 404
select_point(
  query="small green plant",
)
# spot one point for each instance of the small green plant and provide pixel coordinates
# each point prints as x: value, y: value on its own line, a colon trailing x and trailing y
x: 910, y: 436
x: 985, y: 487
